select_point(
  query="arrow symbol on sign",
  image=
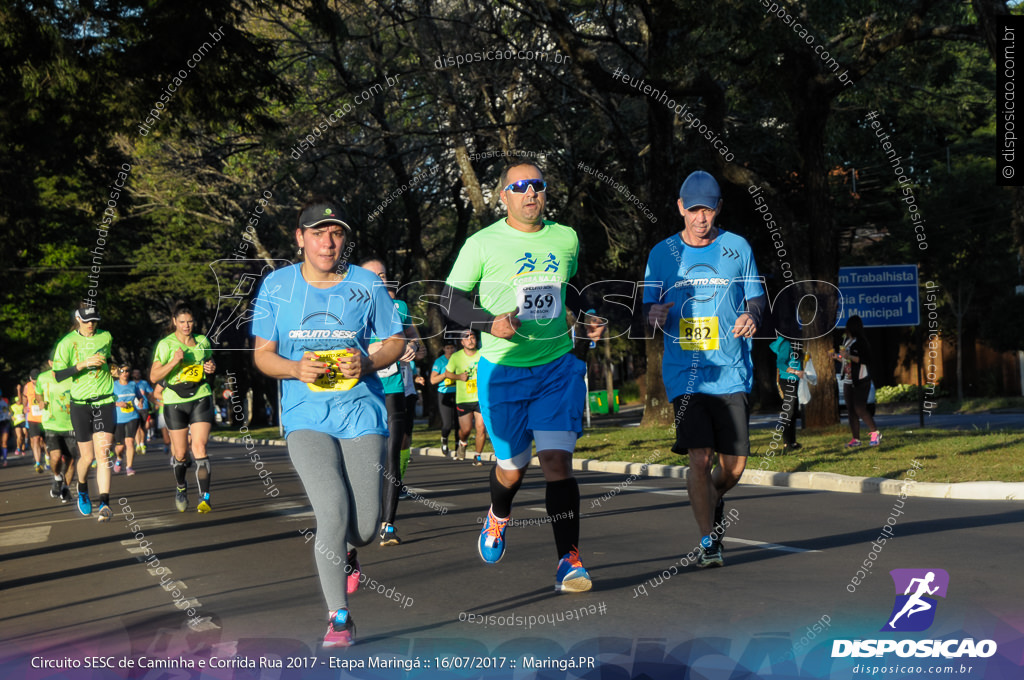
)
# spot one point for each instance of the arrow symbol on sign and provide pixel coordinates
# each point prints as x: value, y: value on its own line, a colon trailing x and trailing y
x: 910, y: 305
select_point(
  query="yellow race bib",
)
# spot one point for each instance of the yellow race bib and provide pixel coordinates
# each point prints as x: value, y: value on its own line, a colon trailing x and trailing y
x: 191, y: 373
x: 333, y: 380
x: 699, y: 333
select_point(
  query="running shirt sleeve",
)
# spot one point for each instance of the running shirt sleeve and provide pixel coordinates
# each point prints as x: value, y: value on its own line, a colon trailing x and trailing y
x: 93, y: 385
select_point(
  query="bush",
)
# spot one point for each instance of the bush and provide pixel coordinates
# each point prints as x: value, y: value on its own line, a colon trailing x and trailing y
x: 892, y: 394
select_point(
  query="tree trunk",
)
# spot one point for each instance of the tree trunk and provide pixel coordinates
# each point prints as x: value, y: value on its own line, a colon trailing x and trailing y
x: 657, y: 408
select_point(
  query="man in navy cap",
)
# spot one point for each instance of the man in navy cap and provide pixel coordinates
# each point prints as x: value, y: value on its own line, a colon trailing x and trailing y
x: 702, y: 288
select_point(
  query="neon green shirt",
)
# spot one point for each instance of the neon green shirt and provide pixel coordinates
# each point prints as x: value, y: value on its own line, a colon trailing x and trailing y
x: 513, y: 269
x: 57, y: 395
x: 189, y: 370
x: 465, y: 390
x: 91, y: 383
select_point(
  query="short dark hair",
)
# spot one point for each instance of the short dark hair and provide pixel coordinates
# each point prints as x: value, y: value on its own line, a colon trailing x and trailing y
x: 503, y: 181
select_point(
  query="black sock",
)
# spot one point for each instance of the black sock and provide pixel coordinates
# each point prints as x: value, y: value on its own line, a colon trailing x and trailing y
x: 83, y: 487
x: 563, y: 505
x: 104, y: 499
x: 179, y: 472
x: 501, y: 496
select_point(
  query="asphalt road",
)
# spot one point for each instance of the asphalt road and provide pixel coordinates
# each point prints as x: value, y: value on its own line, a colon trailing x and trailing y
x: 72, y: 588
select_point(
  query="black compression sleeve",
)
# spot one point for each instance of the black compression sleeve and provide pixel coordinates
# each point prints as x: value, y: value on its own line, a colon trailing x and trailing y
x: 64, y: 373
x: 462, y: 310
x: 756, y: 307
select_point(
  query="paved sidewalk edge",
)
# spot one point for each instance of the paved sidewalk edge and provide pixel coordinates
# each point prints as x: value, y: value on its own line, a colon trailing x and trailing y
x: 816, y: 481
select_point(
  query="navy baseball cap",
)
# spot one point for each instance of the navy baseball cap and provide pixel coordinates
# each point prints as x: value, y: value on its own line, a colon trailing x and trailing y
x: 321, y: 213
x: 87, y: 314
x: 700, y: 188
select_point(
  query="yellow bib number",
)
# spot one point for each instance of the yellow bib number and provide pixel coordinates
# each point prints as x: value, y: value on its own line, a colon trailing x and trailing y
x: 128, y: 409
x: 191, y: 373
x: 333, y: 380
x: 699, y: 333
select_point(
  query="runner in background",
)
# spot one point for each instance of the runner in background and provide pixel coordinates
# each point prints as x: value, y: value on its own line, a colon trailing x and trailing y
x: 142, y: 408
x: 58, y: 434
x: 445, y: 394
x: 184, y: 360
x: 126, y: 392
x: 33, y: 402
x: 395, y: 402
x: 462, y: 370
x: 5, y: 425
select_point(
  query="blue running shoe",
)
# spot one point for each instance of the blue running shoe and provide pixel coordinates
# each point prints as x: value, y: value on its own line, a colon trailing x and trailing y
x: 105, y: 513
x: 491, y: 545
x: 571, y: 577
x: 84, y: 503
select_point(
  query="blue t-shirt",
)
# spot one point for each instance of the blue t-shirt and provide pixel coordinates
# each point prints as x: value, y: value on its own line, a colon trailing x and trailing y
x: 440, y: 366
x: 144, y: 389
x: 125, y: 393
x: 330, y: 322
x: 709, y: 287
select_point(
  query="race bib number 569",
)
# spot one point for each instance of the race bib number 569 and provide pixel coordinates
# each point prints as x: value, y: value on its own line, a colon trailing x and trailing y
x: 539, y: 301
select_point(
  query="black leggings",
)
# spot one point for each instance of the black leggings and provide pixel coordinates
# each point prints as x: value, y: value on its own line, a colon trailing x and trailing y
x: 395, y: 404
x: 446, y: 405
x: 856, y: 397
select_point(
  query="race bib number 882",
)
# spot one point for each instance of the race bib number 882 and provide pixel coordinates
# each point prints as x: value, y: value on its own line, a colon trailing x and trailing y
x: 699, y: 333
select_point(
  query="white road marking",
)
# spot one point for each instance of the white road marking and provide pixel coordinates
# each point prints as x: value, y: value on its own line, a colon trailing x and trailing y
x: 28, y: 536
x: 768, y: 546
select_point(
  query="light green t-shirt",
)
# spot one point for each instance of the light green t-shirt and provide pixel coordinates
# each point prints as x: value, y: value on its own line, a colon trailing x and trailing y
x: 513, y: 269
x: 188, y: 370
x: 460, y: 362
x: 92, y: 383
x: 57, y: 395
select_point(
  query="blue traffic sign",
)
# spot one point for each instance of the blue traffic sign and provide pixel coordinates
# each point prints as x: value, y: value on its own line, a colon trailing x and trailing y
x: 884, y: 295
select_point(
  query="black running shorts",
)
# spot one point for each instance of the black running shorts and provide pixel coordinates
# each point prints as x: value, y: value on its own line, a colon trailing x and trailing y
x: 712, y: 421
x: 180, y: 416
x: 87, y: 419
x: 126, y: 431
x: 467, y: 407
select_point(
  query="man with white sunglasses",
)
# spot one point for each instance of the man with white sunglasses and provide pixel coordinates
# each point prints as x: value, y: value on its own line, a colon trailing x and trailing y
x: 530, y: 386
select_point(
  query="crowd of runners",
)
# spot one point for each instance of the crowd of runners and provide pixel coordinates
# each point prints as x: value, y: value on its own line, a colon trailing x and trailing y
x: 508, y: 374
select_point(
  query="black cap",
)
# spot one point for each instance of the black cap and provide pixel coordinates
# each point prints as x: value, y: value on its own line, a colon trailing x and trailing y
x: 87, y: 314
x: 321, y: 213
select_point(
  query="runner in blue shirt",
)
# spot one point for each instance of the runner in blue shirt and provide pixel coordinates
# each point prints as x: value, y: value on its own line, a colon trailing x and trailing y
x: 702, y: 288
x: 145, y: 392
x: 125, y: 394
x: 313, y: 324
x: 445, y: 393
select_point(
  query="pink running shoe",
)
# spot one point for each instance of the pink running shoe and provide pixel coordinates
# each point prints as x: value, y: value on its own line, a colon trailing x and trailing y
x: 340, y: 630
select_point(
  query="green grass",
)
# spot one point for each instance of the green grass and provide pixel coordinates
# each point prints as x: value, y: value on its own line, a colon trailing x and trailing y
x: 944, y: 455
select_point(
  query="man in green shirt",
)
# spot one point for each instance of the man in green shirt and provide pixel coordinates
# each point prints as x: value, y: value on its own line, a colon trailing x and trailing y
x: 462, y: 369
x: 57, y: 431
x: 530, y: 386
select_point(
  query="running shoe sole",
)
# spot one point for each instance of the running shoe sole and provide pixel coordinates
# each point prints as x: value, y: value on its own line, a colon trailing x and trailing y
x: 105, y: 513
x: 204, y: 507
x: 714, y: 559
x: 575, y: 584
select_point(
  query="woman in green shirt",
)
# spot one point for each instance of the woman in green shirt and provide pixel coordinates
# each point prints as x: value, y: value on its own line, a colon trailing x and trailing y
x: 185, y: 360
x: 84, y: 356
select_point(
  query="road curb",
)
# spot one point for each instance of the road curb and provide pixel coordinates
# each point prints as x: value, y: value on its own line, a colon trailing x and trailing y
x: 811, y: 481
